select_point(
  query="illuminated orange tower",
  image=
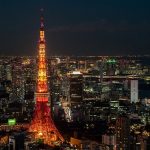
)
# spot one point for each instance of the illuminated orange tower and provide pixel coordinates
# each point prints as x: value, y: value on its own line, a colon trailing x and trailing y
x: 42, y: 124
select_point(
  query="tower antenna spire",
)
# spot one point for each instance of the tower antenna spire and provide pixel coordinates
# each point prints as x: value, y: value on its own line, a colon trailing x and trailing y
x: 42, y: 18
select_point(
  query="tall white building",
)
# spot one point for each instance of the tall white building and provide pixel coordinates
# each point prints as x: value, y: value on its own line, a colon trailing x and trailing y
x: 9, y: 72
x: 134, y: 91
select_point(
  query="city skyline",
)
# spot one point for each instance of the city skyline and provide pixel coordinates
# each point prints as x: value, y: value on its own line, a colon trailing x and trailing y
x: 76, y: 28
x: 74, y: 75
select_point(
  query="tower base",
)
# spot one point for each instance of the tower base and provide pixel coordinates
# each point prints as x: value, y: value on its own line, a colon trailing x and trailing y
x: 43, y: 127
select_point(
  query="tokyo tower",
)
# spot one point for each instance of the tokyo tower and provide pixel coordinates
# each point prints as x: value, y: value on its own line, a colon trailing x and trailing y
x: 42, y: 124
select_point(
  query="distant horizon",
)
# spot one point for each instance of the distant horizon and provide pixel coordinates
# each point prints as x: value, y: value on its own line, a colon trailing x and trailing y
x: 128, y: 55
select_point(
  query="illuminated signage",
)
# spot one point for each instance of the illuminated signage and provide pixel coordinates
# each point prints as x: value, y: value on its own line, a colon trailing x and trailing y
x: 11, y: 122
x: 111, y: 61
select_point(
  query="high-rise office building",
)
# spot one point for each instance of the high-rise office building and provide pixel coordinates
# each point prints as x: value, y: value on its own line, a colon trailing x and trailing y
x: 122, y: 132
x: 76, y: 87
x: 134, y: 91
x: 17, y: 93
x: 76, y: 94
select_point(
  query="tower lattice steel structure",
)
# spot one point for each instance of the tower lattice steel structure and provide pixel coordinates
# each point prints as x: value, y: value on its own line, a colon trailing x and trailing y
x: 42, y: 124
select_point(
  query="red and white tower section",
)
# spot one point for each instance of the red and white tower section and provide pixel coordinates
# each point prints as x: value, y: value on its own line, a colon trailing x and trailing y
x: 42, y: 124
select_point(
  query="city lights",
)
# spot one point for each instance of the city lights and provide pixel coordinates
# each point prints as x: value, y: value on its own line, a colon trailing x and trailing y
x: 82, y: 82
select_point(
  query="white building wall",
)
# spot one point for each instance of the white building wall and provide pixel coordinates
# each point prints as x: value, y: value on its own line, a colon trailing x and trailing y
x: 134, y: 91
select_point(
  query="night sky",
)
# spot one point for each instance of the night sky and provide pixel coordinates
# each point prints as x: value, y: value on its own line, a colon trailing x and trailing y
x: 76, y: 27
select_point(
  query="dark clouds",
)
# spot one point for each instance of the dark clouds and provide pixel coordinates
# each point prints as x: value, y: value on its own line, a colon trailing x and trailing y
x: 103, y: 25
x: 78, y: 27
